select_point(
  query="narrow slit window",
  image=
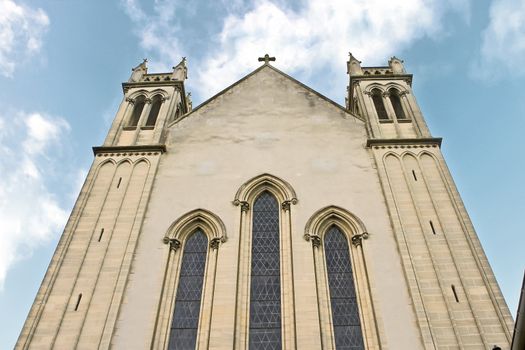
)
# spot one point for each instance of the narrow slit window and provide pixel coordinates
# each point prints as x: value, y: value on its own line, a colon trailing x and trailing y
x: 78, y: 301
x: 101, y: 234
x: 185, y: 324
x: 432, y: 227
x: 154, y: 112
x: 119, y: 181
x: 414, y: 175
x: 455, y: 293
x: 377, y: 97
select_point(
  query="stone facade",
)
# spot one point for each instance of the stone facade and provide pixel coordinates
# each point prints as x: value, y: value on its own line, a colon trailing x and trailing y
x: 371, y: 168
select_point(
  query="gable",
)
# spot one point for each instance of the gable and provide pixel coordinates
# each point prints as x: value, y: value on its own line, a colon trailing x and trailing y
x: 268, y: 101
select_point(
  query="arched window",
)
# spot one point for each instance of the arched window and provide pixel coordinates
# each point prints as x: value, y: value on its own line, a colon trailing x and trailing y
x: 377, y: 97
x: 184, y: 327
x: 343, y: 300
x: 154, y: 111
x: 137, y: 110
x: 265, y: 286
x: 396, y: 104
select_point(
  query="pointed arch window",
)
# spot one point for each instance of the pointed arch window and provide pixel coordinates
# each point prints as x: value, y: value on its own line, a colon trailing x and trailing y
x: 343, y: 300
x: 377, y: 98
x: 396, y: 104
x: 265, y: 285
x: 138, y: 106
x: 156, y: 103
x: 185, y: 323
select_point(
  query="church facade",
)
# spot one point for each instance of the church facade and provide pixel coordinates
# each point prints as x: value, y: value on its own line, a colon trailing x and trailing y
x: 269, y: 217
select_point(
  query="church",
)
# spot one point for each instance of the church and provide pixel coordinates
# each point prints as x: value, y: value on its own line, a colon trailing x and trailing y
x: 269, y: 217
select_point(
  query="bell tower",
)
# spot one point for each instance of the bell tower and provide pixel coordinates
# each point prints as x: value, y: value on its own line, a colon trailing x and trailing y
x: 81, y: 295
x: 454, y: 293
x: 151, y: 102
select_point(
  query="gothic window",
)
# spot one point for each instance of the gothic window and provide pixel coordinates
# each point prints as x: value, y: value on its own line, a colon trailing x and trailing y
x: 265, y: 286
x: 377, y: 97
x: 184, y: 327
x: 137, y: 110
x: 396, y: 104
x: 343, y: 300
x: 154, y: 111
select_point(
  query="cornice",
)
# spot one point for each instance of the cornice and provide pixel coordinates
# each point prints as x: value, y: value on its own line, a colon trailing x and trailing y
x: 429, y: 141
x: 405, y: 77
x: 143, y: 84
x: 129, y: 150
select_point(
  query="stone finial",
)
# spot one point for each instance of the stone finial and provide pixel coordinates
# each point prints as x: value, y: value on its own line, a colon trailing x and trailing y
x: 180, y: 71
x: 188, y: 102
x: 139, y: 71
x: 354, y: 65
x: 396, y: 65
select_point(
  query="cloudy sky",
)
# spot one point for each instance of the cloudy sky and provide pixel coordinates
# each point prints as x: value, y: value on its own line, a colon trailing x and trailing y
x: 62, y: 62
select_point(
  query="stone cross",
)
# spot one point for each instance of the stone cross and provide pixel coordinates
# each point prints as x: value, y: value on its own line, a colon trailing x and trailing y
x: 266, y: 59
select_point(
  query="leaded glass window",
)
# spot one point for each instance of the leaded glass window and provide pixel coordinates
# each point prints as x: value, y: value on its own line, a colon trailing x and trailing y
x: 265, y: 286
x: 345, y: 312
x: 184, y: 327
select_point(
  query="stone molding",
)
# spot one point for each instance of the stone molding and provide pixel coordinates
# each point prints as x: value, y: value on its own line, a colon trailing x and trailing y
x: 129, y: 150
x: 404, y: 143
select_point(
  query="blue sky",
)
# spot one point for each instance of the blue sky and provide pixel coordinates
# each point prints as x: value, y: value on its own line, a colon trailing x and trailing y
x: 62, y: 62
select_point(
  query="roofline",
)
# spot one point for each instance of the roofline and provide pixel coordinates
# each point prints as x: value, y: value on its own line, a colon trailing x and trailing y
x: 337, y: 105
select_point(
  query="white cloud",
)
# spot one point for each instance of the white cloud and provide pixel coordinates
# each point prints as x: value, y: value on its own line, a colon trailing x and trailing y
x: 21, y: 31
x: 503, y: 41
x: 311, y: 37
x: 30, y: 214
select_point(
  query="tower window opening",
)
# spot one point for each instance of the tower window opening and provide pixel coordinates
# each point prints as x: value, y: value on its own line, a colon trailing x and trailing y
x: 432, y: 227
x: 455, y: 293
x: 137, y: 111
x: 119, y: 182
x: 78, y: 301
x: 154, y: 112
x: 396, y: 104
x: 414, y: 175
x: 377, y: 97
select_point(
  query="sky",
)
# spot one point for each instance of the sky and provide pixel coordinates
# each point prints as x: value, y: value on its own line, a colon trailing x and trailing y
x: 62, y: 63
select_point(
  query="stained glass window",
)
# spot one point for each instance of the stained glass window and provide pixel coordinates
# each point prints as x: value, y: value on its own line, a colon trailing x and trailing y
x: 185, y: 322
x: 265, y: 287
x: 345, y: 312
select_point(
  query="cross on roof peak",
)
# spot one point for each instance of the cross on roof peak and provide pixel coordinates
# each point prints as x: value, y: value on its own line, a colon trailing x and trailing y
x: 266, y: 59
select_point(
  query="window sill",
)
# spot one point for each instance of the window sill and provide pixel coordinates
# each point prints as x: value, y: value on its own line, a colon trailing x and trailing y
x: 147, y: 127
x: 385, y: 121
x: 404, y: 121
x: 129, y: 128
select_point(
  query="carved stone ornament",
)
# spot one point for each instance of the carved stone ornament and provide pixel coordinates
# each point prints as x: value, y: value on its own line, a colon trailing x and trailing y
x: 245, y: 206
x: 286, y: 204
x: 216, y: 242
x: 315, y: 239
x: 147, y: 100
x: 358, y: 239
x: 130, y: 100
x: 173, y: 242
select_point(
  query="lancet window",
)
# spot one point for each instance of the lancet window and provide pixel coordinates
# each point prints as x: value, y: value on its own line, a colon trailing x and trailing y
x: 185, y: 323
x: 343, y: 300
x: 377, y: 98
x: 138, y: 106
x: 396, y: 104
x: 265, y: 286
x: 156, y: 103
